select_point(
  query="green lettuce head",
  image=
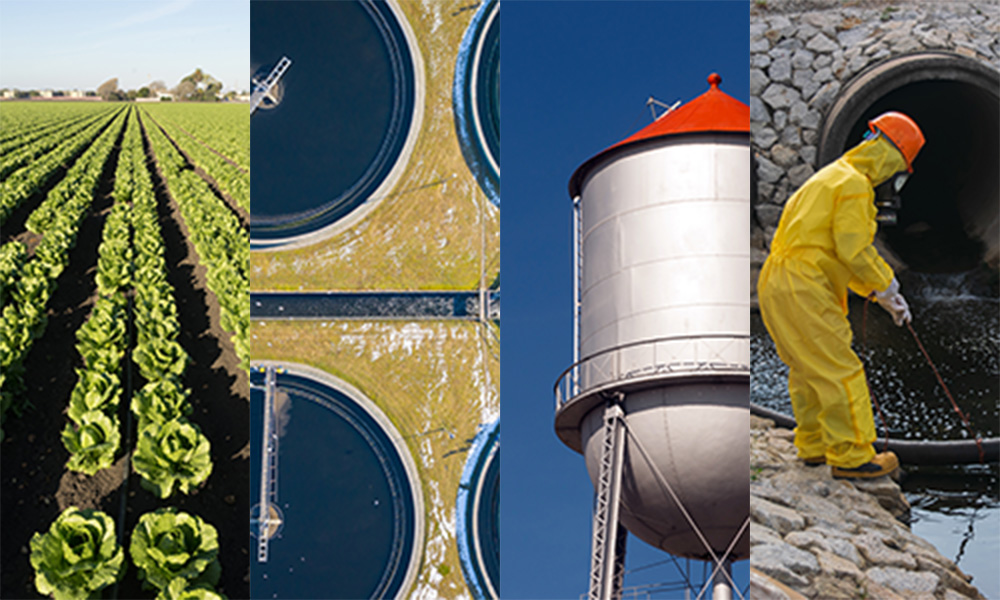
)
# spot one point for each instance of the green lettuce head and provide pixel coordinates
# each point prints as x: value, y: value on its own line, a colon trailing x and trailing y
x: 167, y: 545
x: 78, y: 556
x: 160, y: 401
x: 180, y: 590
x: 94, y: 390
x: 169, y: 452
x: 93, y: 443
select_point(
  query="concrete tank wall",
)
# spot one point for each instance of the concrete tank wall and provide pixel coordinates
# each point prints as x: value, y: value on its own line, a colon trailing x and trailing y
x: 665, y: 255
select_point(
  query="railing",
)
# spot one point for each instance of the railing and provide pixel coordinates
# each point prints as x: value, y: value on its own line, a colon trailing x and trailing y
x: 269, y: 455
x: 655, y: 358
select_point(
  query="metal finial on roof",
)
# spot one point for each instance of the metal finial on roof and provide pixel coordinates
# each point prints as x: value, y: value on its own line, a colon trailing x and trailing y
x: 714, y: 111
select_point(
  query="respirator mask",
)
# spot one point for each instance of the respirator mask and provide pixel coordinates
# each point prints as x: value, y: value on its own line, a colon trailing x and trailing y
x: 887, y: 199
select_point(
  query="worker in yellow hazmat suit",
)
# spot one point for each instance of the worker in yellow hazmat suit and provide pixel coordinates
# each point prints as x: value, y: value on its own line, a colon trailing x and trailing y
x: 822, y: 248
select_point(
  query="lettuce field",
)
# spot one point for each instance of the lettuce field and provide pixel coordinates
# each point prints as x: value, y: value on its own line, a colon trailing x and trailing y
x: 124, y: 259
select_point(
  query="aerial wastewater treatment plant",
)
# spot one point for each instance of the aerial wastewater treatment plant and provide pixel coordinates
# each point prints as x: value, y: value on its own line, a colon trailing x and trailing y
x: 375, y: 301
x: 657, y: 397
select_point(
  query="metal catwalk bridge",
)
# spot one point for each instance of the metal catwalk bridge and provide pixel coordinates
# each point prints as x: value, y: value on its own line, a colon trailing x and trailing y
x: 262, y: 89
x: 268, y: 515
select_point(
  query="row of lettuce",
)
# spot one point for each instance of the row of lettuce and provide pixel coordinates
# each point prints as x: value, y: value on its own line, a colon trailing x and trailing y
x: 211, y: 150
x: 132, y: 272
x: 21, y: 122
x: 135, y: 314
x: 221, y: 242
x: 174, y: 552
x: 223, y: 127
x: 28, y: 282
x: 29, y: 161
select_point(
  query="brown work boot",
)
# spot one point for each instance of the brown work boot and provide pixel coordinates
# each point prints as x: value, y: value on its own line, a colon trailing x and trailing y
x: 814, y: 461
x: 883, y: 464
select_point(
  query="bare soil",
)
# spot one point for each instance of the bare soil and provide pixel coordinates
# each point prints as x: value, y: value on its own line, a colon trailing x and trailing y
x: 35, y: 485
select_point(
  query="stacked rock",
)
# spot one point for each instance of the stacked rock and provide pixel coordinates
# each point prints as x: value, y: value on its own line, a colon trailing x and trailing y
x: 821, y: 537
x: 803, y: 54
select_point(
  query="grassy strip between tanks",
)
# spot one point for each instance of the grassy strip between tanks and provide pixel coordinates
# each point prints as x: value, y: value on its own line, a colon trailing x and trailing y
x: 425, y: 376
x: 426, y: 235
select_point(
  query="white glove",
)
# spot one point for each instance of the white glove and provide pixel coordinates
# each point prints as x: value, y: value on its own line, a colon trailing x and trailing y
x: 894, y: 303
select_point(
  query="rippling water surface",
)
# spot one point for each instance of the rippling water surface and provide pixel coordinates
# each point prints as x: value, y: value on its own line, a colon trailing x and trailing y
x: 956, y: 508
x: 344, y: 112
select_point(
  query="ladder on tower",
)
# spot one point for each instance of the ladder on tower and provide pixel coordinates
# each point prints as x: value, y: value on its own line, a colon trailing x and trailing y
x: 574, y: 387
x: 263, y: 88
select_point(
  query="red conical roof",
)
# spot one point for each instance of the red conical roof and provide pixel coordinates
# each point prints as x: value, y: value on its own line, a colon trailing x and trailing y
x: 712, y: 112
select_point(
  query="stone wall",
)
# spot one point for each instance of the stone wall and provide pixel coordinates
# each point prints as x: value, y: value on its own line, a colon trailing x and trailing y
x: 802, y: 55
x: 829, y: 538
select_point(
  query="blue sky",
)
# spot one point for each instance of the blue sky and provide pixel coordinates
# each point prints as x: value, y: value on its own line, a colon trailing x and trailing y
x: 72, y: 44
x: 575, y: 79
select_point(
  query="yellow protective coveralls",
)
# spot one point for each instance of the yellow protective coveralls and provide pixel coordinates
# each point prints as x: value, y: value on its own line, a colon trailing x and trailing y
x: 822, y: 247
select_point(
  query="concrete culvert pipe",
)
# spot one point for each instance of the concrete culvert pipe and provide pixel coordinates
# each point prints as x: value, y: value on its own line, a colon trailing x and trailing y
x: 949, y: 220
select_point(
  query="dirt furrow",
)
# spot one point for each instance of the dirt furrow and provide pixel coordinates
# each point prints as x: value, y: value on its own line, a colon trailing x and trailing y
x: 220, y: 395
x: 241, y: 215
x: 35, y: 485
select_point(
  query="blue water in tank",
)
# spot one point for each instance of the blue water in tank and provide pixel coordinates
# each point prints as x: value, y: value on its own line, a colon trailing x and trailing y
x: 345, y: 108
x: 477, y: 510
x: 343, y: 492
x: 477, y: 70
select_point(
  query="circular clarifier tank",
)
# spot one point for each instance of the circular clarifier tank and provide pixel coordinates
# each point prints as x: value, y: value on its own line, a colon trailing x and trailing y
x: 334, y: 133
x: 343, y: 499
x: 478, y: 514
x: 476, y: 98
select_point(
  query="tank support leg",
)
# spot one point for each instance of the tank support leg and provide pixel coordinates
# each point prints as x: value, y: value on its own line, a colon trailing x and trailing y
x: 721, y: 589
x: 607, y: 565
x: 721, y: 570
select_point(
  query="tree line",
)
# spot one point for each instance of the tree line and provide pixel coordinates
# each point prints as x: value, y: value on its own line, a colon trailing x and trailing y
x: 199, y: 86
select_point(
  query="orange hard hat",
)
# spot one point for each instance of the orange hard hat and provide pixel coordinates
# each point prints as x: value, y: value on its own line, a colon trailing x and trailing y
x: 902, y: 131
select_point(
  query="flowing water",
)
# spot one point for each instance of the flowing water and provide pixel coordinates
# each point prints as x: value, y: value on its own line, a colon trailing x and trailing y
x: 406, y: 305
x: 957, y: 319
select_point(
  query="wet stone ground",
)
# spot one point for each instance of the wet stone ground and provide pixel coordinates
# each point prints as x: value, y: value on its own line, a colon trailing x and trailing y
x: 827, y: 538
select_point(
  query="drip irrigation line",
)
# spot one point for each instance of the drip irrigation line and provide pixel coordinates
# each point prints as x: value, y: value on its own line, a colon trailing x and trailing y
x: 122, y: 504
x: 127, y: 360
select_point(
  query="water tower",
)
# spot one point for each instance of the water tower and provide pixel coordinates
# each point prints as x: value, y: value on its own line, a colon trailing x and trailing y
x: 657, y: 399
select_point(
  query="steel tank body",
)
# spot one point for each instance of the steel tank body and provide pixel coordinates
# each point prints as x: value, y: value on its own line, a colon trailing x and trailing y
x: 664, y: 323
x: 666, y: 247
